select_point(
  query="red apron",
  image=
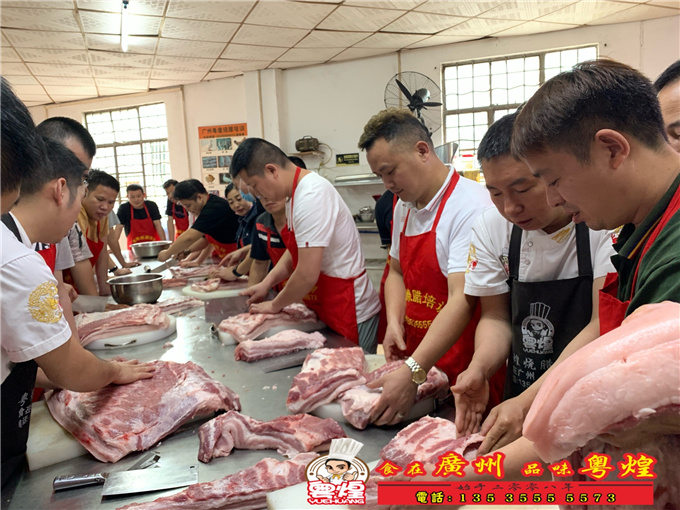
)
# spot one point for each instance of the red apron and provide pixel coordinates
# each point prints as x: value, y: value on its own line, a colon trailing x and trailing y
x: 612, y: 310
x: 427, y: 291
x: 181, y: 224
x: 332, y: 298
x: 275, y: 254
x: 95, y: 247
x: 382, y: 321
x: 221, y: 250
x: 50, y: 256
x: 141, y: 231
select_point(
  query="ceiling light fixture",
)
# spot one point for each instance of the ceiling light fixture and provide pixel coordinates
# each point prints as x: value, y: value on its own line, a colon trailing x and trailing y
x: 124, y: 27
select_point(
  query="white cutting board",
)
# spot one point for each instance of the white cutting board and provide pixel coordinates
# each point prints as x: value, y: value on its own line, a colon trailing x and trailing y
x: 48, y: 442
x: 216, y: 294
x: 141, y: 338
x: 334, y: 410
x: 307, y: 327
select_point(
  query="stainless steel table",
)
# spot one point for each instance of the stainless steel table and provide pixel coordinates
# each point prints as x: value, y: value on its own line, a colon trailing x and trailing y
x: 263, y: 396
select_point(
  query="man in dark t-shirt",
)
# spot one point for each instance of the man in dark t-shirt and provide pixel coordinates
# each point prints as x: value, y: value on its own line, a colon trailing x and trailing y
x: 215, y: 221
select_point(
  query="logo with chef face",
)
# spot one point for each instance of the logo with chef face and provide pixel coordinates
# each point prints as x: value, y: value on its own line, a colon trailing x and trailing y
x: 537, y: 330
x: 338, y: 478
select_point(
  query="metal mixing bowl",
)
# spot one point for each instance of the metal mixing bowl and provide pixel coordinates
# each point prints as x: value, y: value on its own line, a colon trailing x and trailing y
x: 136, y: 288
x: 149, y: 249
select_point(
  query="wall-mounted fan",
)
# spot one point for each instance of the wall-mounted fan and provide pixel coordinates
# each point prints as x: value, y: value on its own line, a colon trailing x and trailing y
x: 419, y: 94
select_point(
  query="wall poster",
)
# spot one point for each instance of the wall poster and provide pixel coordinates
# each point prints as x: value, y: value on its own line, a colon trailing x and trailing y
x: 217, y: 146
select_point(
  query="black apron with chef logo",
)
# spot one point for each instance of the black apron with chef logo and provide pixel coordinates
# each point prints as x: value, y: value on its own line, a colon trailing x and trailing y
x: 15, y: 394
x: 546, y: 316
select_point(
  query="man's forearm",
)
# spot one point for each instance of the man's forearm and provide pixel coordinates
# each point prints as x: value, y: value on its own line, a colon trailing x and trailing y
x: 159, y: 229
x: 493, y: 338
x: 83, y: 278
x: 282, y: 270
x: 115, y: 249
x: 102, y: 269
x: 298, y: 286
x: 171, y: 229
x: 258, y: 272
x: 395, y: 297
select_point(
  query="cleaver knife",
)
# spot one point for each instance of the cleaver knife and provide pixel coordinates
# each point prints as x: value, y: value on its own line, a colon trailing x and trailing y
x: 132, y: 482
x: 159, y: 269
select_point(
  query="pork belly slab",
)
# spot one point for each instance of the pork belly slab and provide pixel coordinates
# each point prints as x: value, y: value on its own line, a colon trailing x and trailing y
x: 281, y: 343
x: 289, y: 435
x: 325, y: 374
x: 193, y: 272
x: 135, y: 319
x: 116, y: 420
x: 244, y: 490
x: 169, y: 283
x: 621, y: 377
x: 248, y: 326
x: 177, y: 304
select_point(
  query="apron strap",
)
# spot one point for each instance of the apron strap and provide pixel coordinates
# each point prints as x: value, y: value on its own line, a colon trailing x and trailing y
x: 11, y: 225
x: 585, y: 265
x: 513, y: 252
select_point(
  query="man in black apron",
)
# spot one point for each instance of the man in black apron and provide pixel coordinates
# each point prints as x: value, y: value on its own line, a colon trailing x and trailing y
x: 34, y: 330
x: 533, y: 270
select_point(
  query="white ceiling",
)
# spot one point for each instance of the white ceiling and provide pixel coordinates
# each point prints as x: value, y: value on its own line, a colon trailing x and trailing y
x: 64, y: 50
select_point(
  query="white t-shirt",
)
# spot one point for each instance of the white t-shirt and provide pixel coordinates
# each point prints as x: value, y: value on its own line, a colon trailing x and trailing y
x: 543, y: 257
x: 322, y: 219
x: 465, y: 204
x: 31, y: 319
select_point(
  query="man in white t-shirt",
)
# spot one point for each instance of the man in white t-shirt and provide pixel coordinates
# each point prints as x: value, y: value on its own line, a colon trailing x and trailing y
x: 430, y: 321
x: 536, y: 273
x: 34, y: 331
x: 324, y: 258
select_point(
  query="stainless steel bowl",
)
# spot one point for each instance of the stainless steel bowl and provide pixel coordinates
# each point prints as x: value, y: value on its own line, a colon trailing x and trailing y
x: 149, y: 249
x: 136, y: 288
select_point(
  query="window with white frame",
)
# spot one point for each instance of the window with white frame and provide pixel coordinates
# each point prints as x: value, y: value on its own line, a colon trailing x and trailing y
x: 479, y: 92
x: 132, y: 145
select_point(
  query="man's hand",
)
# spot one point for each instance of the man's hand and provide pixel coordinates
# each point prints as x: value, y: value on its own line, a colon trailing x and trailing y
x: 121, y: 271
x: 393, y: 343
x: 133, y: 263
x: 503, y: 425
x: 104, y: 290
x: 398, y: 396
x: 188, y: 263
x: 234, y: 257
x: 265, y: 307
x: 225, y: 273
x: 471, y: 394
x: 257, y: 293
x: 69, y: 290
x: 163, y: 256
x: 131, y: 371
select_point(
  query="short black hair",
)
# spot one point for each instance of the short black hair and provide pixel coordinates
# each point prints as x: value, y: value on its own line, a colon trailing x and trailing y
x: 22, y: 150
x: 59, y: 163
x: 670, y: 75
x: 134, y: 187
x: 497, y: 140
x: 229, y: 187
x: 253, y: 154
x: 298, y: 162
x: 63, y: 128
x: 187, y: 190
x: 566, y: 112
x: 349, y: 464
x: 99, y: 178
x: 396, y: 125
x: 168, y: 183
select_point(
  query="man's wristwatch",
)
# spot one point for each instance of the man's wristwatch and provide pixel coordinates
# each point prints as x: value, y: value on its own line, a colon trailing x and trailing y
x: 418, y: 375
x: 236, y: 273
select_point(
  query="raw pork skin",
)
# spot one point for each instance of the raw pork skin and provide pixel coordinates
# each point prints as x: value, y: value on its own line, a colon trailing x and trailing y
x: 135, y: 319
x: 248, y: 326
x: 244, y: 490
x: 627, y: 373
x: 116, y: 420
x: 281, y: 343
x: 289, y: 435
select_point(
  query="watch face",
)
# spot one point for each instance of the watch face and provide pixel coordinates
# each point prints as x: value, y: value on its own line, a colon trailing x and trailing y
x: 419, y: 376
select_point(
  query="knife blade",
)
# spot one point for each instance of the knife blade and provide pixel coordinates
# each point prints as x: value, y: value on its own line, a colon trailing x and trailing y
x: 158, y: 269
x: 146, y: 461
x: 126, y: 482
x: 89, y: 304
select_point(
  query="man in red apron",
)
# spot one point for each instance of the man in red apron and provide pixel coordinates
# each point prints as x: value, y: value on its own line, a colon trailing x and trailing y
x: 178, y: 217
x: 99, y: 200
x: 215, y: 222
x: 324, y: 262
x: 140, y: 217
x: 430, y: 321
x: 34, y: 331
x: 610, y: 165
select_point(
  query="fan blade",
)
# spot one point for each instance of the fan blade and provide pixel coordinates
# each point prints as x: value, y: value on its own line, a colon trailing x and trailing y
x: 432, y: 104
x: 404, y: 90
